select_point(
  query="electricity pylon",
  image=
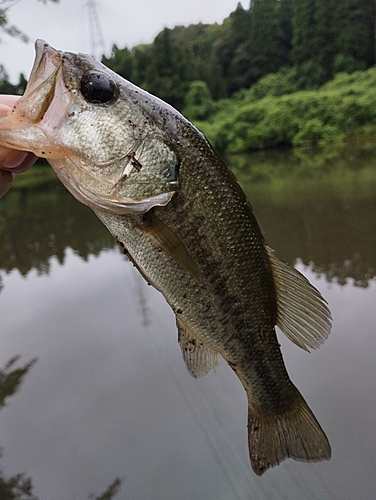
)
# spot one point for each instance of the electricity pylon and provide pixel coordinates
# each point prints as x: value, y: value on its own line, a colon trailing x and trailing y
x: 97, y: 47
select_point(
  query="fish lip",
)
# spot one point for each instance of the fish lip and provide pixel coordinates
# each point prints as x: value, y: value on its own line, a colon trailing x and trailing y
x: 40, y: 89
x: 44, y: 54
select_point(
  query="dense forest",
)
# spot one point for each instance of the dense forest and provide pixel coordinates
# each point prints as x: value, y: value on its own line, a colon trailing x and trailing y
x: 282, y: 72
x: 240, y: 80
x: 317, y: 38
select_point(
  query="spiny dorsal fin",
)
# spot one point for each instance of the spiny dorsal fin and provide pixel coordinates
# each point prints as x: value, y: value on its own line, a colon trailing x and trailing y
x: 198, y: 357
x: 169, y: 243
x: 303, y: 315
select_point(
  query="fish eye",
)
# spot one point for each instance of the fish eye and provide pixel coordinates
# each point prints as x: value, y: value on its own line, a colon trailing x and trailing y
x: 97, y: 88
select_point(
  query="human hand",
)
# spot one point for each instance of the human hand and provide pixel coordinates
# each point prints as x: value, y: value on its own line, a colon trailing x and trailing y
x: 12, y: 161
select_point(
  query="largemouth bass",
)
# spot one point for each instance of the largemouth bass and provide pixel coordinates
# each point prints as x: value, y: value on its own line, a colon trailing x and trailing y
x: 181, y: 217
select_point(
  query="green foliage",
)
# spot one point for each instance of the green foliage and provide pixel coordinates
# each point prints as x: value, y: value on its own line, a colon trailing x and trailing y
x: 170, y: 69
x: 121, y: 61
x: 267, y: 53
x: 273, y: 84
x: 323, y: 117
x: 6, y: 87
x: 347, y: 63
x: 198, y: 103
x: 249, y: 44
x: 304, y: 43
x: 331, y: 36
x: 315, y: 133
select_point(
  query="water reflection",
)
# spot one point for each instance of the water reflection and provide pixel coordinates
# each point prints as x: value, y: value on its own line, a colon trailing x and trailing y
x: 40, y: 223
x: 10, y: 381
x: 19, y: 486
x: 325, y: 219
x: 110, y: 396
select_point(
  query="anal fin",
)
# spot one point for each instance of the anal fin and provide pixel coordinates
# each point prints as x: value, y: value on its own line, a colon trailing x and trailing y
x: 198, y: 357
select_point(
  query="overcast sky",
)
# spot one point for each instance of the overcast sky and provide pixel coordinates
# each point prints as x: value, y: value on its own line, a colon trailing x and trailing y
x: 126, y: 23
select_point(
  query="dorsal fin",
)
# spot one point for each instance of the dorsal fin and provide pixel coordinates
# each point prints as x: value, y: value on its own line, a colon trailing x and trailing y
x: 303, y: 315
x: 198, y: 357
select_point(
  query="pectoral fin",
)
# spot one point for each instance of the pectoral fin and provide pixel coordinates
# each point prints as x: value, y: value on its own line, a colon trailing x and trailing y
x: 198, y: 357
x: 303, y: 315
x: 167, y: 240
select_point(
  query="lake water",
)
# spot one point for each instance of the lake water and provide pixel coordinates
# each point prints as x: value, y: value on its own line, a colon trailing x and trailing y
x: 109, y: 401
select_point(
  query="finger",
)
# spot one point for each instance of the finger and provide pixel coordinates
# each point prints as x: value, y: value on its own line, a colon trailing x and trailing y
x: 13, y: 160
x: 8, y: 100
x: 16, y: 161
x: 6, y: 103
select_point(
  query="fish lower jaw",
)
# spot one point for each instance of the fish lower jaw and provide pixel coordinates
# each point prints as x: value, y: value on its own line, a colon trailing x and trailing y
x: 84, y: 191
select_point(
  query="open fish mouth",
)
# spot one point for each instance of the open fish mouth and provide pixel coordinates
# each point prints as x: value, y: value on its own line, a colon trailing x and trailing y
x: 75, y: 113
x: 41, y: 87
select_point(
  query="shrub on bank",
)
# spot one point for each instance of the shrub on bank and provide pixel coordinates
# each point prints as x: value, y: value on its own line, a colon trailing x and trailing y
x: 304, y: 118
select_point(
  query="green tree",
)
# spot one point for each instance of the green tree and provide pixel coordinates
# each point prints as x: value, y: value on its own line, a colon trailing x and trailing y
x: 285, y: 15
x: 198, y: 103
x: 6, y: 87
x: 305, y: 42
x: 331, y: 36
x: 268, y: 54
x: 121, y: 61
x: 170, y: 69
x: 239, y: 75
x: 203, y: 41
x: 142, y: 55
x: 355, y: 34
x: 232, y: 50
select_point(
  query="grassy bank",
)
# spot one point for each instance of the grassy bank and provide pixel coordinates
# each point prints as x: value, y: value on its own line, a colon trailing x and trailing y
x: 272, y: 113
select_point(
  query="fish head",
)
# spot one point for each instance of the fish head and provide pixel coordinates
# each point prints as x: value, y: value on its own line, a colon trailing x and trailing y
x: 99, y: 132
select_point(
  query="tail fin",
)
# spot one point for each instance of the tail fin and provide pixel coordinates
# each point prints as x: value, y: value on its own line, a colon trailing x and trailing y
x: 295, y: 434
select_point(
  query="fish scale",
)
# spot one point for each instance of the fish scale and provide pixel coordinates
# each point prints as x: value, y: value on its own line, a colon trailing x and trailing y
x: 179, y: 214
x: 239, y: 299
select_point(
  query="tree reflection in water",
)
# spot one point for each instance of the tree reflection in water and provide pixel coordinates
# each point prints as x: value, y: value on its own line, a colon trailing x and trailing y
x: 321, y: 218
x: 19, y: 486
x: 36, y: 224
x: 325, y: 220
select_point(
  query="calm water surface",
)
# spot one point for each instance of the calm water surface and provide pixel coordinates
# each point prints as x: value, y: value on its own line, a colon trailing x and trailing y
x: 109, y: 401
